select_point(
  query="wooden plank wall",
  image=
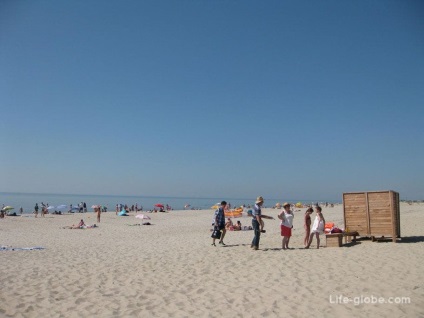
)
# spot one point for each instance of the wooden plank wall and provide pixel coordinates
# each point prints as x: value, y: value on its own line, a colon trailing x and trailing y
x: 374, y: 213
x: 380, y: 214
x: 355, y: 212
x: 396, y: 213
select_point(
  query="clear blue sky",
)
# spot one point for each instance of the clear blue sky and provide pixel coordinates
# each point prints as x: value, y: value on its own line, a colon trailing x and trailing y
x: 285, y: 99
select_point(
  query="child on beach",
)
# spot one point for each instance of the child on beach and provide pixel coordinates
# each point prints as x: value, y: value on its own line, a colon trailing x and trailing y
x: 317, y: 227
x: 307, y: 225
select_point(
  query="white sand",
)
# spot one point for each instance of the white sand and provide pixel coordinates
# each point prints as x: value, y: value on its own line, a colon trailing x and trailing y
x: 170, y: 269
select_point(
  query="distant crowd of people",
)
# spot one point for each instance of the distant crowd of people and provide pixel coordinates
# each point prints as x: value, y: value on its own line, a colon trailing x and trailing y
x: 44, y: 208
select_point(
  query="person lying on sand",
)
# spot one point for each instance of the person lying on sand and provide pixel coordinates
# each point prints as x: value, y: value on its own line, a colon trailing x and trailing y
x: 237, y: 227
x: 81, y: 225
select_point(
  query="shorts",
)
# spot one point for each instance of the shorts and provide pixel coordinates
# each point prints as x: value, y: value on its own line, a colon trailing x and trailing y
x: 286, y: 231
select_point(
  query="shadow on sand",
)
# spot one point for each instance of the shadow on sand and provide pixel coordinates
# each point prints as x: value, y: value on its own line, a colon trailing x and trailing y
x: 404, y: 239
x: 411, y: 239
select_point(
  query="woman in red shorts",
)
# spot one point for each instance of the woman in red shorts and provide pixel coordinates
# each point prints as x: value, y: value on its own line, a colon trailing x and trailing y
x: 286, y: 216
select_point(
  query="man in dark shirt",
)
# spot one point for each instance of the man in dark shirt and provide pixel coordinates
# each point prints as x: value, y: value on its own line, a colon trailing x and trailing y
x: 220, y: 222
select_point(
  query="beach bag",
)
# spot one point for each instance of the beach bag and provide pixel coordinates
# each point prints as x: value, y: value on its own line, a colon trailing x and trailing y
x: 216, y: 234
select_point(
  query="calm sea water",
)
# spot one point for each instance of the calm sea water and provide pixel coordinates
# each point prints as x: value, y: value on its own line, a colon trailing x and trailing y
x: 27, y: 201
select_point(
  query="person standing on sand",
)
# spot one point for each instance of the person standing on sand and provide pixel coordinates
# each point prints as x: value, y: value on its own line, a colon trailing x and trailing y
x: 220, y: 223
x: 317, y: 227
x: 43, y: 207
x: 257, y: 222
x: 307, y: 225
x: 36, y: 209
x: 286, y: 216
x: 98, y: 211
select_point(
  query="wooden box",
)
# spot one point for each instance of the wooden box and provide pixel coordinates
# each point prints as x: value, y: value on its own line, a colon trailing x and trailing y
x: 334, y: 240
x: 375, y: 213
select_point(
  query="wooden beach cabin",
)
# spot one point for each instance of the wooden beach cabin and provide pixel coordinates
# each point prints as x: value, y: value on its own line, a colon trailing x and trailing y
x: 372, y: 214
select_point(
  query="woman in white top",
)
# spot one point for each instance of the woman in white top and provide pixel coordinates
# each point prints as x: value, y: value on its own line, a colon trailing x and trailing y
x: 317, y: 227
x: 286, y: 216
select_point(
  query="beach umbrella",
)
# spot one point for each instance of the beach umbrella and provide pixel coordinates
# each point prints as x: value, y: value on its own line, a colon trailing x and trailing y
x: 62, y: 206
x: 95, y: 206
x: 159, y: 205
x: 7, y: 208
x: 50, y: 207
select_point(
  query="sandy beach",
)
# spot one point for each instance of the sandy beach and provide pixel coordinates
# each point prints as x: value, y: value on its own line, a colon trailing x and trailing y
x: 170, y: 269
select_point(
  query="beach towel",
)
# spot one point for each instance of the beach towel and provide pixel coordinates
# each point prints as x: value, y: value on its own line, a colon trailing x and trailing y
x: 328, y: 227
x: 10, y: 248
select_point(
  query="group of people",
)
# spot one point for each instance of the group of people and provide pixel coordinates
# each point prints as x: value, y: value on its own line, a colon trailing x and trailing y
x: 80, y: 207
x: 120, y: 207
x: 43, y: 209
x: 230, y: 226
x: 286, y: 216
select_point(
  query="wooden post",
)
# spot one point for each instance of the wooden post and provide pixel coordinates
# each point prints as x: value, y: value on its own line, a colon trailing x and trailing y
x: 368, y: 213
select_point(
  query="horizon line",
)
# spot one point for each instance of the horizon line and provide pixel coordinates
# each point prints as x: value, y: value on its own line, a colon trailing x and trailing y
x: 149, y: 196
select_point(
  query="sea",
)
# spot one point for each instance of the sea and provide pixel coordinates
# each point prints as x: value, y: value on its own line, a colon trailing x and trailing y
x: 27, y: 201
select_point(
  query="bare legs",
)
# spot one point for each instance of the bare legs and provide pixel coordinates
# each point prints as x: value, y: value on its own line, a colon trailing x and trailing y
x: 311, y: 236
x: 286, y: 241
x: 221, y: 241
x: 307, y: 233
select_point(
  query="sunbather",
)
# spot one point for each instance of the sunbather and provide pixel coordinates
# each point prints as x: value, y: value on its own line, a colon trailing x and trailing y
x: 237, y: 227
x: 80, y: 225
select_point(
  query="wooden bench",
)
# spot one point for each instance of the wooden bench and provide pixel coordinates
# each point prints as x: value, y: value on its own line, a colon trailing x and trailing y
x: 335, y: 239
